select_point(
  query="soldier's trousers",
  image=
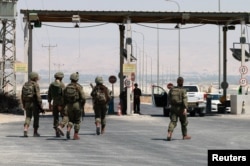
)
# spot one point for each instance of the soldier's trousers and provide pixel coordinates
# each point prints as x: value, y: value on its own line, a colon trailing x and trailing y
x: 175, y: 113
x: 100, y: 113
x: 31, y: 110
x: 74, y: 114
x: 56, y: 114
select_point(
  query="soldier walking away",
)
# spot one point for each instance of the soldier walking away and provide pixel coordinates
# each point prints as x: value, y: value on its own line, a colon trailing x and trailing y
x: 137, y: 102
x: 101, y: 97
x: 178, y: 109
x: 74, y: 101
x: 55, y: 94
x: 32, y: 103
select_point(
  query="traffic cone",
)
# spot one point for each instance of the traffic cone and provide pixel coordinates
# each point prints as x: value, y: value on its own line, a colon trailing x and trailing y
x: 119, y: 110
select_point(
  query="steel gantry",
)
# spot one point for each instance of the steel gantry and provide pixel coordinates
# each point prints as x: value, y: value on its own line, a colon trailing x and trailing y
x: 8, y: 44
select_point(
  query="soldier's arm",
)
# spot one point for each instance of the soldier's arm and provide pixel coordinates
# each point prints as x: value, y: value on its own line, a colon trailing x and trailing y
x: 38, y: 96
x: 185, y: 103
x: 49, y: 94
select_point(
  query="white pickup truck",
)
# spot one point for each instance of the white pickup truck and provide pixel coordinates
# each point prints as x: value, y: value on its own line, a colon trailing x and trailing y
x: 196, y: 99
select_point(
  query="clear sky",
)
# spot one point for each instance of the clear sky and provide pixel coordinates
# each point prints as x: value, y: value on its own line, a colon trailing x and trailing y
x: 96, y: 49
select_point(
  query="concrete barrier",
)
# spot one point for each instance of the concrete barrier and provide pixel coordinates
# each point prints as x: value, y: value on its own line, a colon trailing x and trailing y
x: 240, y: 104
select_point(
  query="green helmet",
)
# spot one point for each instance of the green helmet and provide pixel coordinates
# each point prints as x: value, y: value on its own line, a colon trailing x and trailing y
x: 33, y: 75
x: 74, y: 77
x: 98, y: 80
x: 59, y: 75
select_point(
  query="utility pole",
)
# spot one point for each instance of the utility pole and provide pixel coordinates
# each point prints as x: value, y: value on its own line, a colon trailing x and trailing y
x: 49, y: 49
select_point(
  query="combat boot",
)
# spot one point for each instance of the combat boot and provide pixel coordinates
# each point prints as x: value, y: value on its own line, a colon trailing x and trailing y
x: 103, y: 129
x: 76, y: 136
x: 186, y: 137
x: 25, y: 131
x: 68, y: 132
x: 60, y: 131
x: 169, y: 136
x: 57, y: 132
x: 36, y: 134
x: 98, y: 128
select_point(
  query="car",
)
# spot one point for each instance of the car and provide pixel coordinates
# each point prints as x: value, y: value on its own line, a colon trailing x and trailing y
x: 45, y: 103
x: 215, y: 103
x: 215, y: 100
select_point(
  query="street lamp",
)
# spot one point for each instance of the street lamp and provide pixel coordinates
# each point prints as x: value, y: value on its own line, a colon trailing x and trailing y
x: 142, y: 56
x: 151, y: 70
x: 179, y: 39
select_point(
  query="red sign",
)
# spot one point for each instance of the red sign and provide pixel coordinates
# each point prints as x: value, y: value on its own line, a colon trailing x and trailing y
x: 133, y: 76
x: 169, y: 85
x: 112, y: 79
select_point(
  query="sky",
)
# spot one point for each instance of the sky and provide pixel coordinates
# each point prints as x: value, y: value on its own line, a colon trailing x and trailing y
x: 95, y: 50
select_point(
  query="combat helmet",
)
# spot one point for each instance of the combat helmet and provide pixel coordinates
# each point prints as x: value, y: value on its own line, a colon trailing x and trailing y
x: 33, y: 75
x: 74, y: 77
x: 59, y: 75
x: 98, y: 80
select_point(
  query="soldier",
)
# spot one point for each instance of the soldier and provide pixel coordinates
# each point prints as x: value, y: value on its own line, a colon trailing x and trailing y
x: 55, y: 93
x: 178, y: 101
x: 74, y: 101
x: 32, y: 103
x: 137, y: 102
x: 101, y: 97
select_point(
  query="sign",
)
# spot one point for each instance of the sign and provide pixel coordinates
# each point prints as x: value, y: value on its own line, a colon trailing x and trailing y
x: 129, y: 68
x: 243, y: 69
x: 243, y: 81
x: 127, y: 83
x: 112, y: 79
x: 133, y: 76
x: 21, y: 67
x: 169, y: 85
x: 224, y: 85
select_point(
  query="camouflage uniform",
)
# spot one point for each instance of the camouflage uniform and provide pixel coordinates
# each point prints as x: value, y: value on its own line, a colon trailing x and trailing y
x: 57, y: 99
x: 100, y: 109
x: 31, y: 105
x: 73, y: 111
x: 178, y: 110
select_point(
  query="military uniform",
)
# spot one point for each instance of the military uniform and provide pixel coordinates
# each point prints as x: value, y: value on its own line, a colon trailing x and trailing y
x: 73, y: 110
x: 100, y: 109
x: 55, y: 93
x: 31, y: 105
x: 177, y: 99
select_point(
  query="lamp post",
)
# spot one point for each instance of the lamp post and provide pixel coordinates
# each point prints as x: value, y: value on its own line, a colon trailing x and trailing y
x: 150, y: 69
x: 179, y: 39
x: 142, y: 56
x: 219, y: 77
x: 136, y: 60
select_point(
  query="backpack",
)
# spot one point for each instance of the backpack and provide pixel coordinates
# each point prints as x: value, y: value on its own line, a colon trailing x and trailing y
x: 101, y: 96
x: 71, y: 93
x: 176, y: 96
x: 56, y: 89
x: 28, y: 90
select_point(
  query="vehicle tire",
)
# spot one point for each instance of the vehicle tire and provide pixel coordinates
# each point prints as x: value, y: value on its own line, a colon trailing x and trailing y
x: 166, y: 112
x: 201, y: 112
x: 192, y: 113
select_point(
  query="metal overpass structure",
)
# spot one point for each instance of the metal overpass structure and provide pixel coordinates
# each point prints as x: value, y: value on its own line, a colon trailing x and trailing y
x: 35, y: 18
x: 227, y: 20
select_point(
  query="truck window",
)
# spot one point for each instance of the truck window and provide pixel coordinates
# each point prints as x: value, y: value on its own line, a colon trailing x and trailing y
x: 191, y: 88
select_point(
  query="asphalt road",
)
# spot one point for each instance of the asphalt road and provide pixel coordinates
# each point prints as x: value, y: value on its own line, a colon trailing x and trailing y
x: 132, y: 140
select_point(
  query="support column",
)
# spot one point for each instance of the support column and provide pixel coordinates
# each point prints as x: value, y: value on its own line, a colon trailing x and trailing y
x: 122, y: 30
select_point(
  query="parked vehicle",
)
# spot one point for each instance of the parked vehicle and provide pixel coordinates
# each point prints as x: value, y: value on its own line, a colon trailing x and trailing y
x: 196, y: 100
x: 215, y: 103
x: 45, y: 102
